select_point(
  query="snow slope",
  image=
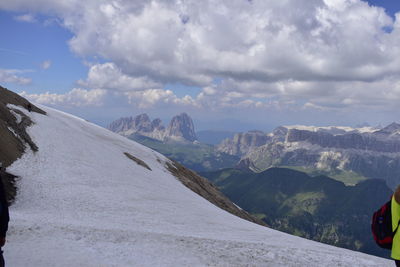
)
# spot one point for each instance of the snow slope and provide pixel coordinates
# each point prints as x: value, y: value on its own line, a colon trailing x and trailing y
x: 82, y: 202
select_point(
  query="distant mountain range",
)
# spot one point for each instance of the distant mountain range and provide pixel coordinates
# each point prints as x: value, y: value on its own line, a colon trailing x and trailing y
x: 180, y: 129
x: 178, y: 141
x: 346, y: 154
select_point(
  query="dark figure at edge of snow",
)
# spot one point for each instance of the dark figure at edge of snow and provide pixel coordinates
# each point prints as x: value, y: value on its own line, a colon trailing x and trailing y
x: 4, y: 216
x: 29, y: 107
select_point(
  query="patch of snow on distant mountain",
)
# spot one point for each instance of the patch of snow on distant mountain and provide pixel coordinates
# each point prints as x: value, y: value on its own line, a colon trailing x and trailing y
x: 333, y: 129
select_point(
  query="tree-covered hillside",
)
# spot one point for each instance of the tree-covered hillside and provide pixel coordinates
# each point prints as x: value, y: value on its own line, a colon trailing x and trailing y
x: 317, y: 208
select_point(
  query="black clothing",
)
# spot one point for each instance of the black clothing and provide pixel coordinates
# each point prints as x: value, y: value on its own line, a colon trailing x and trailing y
x: 4, y: 216
x: 2, y: 263
x: 397, y: 263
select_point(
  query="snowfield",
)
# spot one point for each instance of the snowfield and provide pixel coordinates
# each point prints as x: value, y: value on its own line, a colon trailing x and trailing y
x: 82, y: 202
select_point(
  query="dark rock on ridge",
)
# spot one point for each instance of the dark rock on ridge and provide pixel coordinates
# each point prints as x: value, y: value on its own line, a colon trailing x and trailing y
x: 13, y: 136
x: 12, y: 130
x: 181, y: 126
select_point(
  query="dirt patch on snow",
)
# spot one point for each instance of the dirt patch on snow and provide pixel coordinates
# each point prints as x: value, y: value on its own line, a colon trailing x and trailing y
x: 207, y: 190
x: 138, y: 161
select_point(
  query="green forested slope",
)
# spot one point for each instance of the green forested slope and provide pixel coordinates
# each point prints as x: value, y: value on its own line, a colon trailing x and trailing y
x: 317, y: 208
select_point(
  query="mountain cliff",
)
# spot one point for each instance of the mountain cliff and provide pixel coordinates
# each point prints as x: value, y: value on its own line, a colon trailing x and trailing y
x: 181, y: 128
x: 242, y: 143
x: 347, y: 154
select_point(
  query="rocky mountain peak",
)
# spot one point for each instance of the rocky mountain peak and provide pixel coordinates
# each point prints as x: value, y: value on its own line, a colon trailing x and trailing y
x: 121, y: 124
x: 181, y: 126
x: 156, y: 124
x: 142, y: 123
x: 390, y: 129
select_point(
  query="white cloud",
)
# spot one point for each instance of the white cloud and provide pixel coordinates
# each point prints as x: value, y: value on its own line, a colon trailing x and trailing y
x: 12, y: 76
x: 45, y: 64
x: 77, y: 97
x: 25, y: 18
x: 159, y: 98
x: 306, y: 53
x: 109, y: 76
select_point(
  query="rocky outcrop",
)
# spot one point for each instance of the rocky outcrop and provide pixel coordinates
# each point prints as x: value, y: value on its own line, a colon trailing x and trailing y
x: 367, y: 142
x: 181, y: 128
x: 140, y: 123
x: 14, y: 139
x: 242, y: 143
x: 362, y: 153
x: 13, y: 123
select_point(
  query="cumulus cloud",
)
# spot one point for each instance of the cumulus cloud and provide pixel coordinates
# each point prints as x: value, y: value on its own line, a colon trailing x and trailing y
x: 109, y: 76
x: 258, y: 40
x: 77, y: 97
x: 12, y: 76
x: 310, y: 53
x: 159, y: 97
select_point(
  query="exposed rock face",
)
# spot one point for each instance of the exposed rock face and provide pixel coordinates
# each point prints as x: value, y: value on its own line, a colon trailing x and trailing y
x: 181, y: 128
x: 156, y: 124
x: 139, y: 123
x: 13, y: 124
x: 380, y: 142
x: 14, y: 140
x: 142, y: 123
x: 365, y: 152
x: 390, y: 130
x: 242, y: 143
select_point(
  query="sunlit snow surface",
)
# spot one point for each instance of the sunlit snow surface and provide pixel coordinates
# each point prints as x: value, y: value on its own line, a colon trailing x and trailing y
x: 82, y: 202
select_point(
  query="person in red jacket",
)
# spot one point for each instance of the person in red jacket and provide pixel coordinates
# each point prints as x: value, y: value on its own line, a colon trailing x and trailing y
x: 4, y: 216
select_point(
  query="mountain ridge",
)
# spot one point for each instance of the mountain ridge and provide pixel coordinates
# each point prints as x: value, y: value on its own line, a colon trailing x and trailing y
x: 338, y: 151
x: 180, y: 128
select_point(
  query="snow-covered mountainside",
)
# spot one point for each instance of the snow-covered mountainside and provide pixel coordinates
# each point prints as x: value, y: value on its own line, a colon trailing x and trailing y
x: 89, y: 197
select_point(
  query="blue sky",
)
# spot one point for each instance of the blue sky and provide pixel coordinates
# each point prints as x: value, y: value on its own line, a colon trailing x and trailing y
x: 391, y: 6
x: 28, y: 45
x: 203, y: 66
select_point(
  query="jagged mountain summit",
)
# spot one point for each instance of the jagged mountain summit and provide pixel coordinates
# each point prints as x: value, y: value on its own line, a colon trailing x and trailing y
x: 90, y: 197
x: 180, y: 129
x: 391, y: 129
x: 348, y: 154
